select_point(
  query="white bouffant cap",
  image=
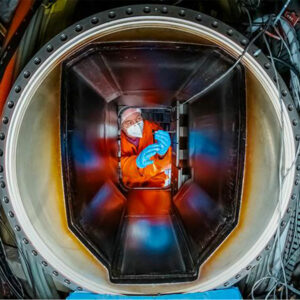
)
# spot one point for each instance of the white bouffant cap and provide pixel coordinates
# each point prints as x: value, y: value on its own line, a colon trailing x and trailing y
x: 129, y: 111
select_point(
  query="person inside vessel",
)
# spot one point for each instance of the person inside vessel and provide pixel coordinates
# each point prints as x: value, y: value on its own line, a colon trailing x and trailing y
x: 145, y: 151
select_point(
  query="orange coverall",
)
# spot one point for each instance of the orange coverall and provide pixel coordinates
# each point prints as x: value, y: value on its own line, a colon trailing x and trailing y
x: 150, y: 176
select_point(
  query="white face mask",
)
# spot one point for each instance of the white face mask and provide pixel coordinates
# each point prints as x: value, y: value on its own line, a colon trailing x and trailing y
x: 136, y: 130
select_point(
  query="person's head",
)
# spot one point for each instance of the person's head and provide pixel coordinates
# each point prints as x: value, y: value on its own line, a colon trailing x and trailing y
x: 132, y: 122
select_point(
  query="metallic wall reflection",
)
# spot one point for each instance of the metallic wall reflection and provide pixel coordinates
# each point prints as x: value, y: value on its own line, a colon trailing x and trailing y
x: 191, y: 223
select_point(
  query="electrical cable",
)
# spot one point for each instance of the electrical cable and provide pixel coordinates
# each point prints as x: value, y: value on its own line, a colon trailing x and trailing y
x: 281, y: 180
x: 280, y: 49
x: 281, y: 176
x: 291, y: 67
x: 7, y: 280
x: 220, y: 78
x: 293, y: 56
x: 249, y: 18
x: 24, y: 257
x: 295, y: 87
x: 9, y: 245
x: 282, y: 11
x: 17, y: 290
x: 177, y: 2
x: 277, y: 240
x: 294, y: 59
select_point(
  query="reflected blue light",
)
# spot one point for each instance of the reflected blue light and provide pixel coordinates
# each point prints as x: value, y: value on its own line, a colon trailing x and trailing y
x: 152, y: 235
x: 199, y: 201
x: 104, y: 194
x: 83, y: 156
x: 201, y: 143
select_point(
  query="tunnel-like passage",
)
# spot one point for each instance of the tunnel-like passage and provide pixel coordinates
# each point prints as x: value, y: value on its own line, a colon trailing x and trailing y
x: 150, y: 234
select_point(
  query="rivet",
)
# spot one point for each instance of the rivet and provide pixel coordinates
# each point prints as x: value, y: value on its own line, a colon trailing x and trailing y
x: 199, y: 18
x: 267, y: 65
x: 226, y: 283
x: 34, y: 252
x: 78, y: 28
x: 10, y: 104
x: 296, y: 181
x: 129, y: 11
x: 146, y: 9
x: 244, y: 42
x: 17, y: 228
x: 63, y: 37
x: 5, y: 200
x: 258, y: 258
x: 256, y: 52
x: 2, y: 184
x: 37, y: 60
x: 17, y: 89
x: 297, y: 137
x: 1, y: 152
x: 268, y: 247
x: 293, y: 197
x: 49, y: 48
x: 237, y: 276
x: 1, y: 169
x: 284, y: 93
x: 67, y: 281
x: 79, y: 288
x: 164, y: 10
x: 94, y: 20
x: 289, y: 210
x: 283, y: 223
x: 111, y: 14
x: 44, y: 263
x: 248, y: 267
x: 26, y: 74
x: 230, y: 31
x: 11, y: 214
x: 181, y: 13
x: 290, y: 107
x: 2, y: 136
x: 295, y: 122
x: 25, y: 241
x: 5, y: 120
x: 55, y: 273
x: 215, y: 24
x: 298, y: 167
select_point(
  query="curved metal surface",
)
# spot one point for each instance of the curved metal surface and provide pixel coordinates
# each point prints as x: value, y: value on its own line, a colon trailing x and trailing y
x: 32, y: 188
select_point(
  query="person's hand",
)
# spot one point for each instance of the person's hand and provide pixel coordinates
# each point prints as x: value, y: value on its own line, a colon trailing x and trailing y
x: 163, y: 140
x: 143, y: 160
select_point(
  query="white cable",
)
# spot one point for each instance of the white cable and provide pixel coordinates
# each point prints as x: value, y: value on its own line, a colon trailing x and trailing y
x: 282, y: 11
x: 281, y: 175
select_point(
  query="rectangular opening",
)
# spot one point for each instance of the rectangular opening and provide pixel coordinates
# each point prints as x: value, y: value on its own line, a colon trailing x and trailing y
x: 157, y: 175
x: 146, y: 232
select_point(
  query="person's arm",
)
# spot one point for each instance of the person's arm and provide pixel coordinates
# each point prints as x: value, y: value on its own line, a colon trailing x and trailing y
x: 130, y: 170
x: 129, y: 167
x: 163, y: 162
x: 140, y: 167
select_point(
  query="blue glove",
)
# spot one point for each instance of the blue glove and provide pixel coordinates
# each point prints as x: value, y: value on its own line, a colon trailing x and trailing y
x: 163, y: 140
x: 143, y: 160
